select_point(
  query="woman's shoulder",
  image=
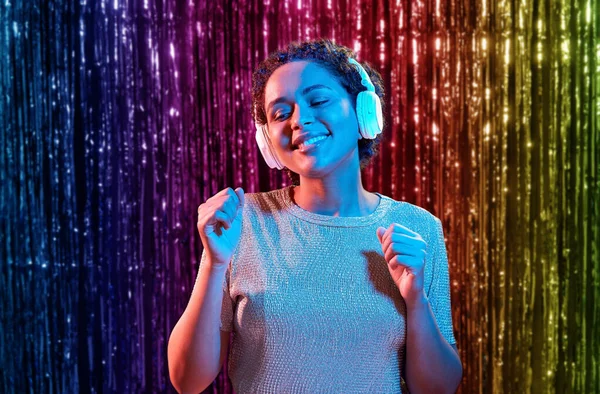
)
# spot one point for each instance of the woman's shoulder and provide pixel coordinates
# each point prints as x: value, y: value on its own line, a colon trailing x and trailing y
x: 410, y: 211
x: 254, y: 196
x: 414, y: 217
x: 269, y: 201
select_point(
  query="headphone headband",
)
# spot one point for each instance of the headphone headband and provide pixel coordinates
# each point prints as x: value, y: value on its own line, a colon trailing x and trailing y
x: 365, y: 80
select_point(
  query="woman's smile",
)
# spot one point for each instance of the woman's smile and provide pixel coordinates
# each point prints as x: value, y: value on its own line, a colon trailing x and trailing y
x: 312, y: 144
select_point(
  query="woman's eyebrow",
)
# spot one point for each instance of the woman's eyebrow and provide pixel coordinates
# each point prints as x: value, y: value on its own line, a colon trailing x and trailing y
x: 304, y: 91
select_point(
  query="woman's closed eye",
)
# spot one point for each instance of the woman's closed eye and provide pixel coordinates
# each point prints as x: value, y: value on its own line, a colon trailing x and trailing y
x: 315, y: 103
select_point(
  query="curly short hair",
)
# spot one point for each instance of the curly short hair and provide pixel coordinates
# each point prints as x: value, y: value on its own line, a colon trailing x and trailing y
x: 334, y: 58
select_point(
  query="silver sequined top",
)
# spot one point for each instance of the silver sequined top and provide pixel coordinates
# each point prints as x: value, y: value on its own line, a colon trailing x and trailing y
x: 311, y: 303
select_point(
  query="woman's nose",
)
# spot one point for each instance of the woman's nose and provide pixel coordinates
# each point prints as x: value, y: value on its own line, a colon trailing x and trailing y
x: 303, y: 115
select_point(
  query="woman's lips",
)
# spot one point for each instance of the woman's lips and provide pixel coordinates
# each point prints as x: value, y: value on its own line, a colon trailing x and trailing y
x: 310, y: 147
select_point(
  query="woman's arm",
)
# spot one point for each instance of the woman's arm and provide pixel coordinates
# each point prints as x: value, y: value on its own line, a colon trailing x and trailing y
x: 194, y: 350
x: 432, y: 364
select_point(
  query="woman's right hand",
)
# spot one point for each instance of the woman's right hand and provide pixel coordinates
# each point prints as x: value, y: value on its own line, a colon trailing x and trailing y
x: 220, y: 224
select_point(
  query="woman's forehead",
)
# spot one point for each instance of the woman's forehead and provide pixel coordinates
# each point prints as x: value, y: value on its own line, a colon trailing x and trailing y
x: 292, y: 78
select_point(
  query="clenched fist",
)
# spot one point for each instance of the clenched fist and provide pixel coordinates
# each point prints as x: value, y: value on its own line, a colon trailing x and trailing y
x: 404, y: 251
x: 220, y: 224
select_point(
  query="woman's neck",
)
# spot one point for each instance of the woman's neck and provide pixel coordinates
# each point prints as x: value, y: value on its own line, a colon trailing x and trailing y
x: 334, y: 199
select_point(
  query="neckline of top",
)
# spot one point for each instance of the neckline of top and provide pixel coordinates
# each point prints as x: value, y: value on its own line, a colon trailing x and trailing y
x: 340, y: 221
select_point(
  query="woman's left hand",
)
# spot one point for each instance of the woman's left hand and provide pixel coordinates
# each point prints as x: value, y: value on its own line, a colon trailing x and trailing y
x: 404, y: 251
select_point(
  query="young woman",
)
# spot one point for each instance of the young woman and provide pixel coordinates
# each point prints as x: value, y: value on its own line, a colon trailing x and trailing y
x: 326, y: 287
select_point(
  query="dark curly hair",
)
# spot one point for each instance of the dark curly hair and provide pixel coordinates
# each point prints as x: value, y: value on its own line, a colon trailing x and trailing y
x: 334, y: 58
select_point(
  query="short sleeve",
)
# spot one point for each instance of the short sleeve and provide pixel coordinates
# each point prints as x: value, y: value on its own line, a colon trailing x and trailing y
x: 227, y: 305
x: 439, y: 292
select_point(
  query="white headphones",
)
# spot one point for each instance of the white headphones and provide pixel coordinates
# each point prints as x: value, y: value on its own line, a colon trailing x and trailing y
x: 368, y: 112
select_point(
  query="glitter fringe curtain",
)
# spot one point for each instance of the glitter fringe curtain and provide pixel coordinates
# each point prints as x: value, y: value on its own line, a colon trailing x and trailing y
x: 120, y: 117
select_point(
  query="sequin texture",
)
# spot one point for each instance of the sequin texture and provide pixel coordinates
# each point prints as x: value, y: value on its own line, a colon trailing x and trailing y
x: 311, y: 304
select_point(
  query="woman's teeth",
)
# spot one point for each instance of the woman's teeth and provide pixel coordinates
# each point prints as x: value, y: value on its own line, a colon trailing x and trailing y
x: 311, y: 141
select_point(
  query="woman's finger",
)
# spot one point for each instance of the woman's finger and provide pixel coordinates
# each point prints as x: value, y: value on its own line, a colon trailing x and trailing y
x: 387, y: 240
x: 399, y: 249
x: 223, y: 218
x: 401, y: 239
x: 404, y: 261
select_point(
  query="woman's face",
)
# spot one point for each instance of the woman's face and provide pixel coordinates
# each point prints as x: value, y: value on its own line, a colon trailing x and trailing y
x: 303, y: 100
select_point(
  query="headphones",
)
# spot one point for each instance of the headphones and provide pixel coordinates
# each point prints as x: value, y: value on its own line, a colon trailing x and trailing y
x: 368, y: 112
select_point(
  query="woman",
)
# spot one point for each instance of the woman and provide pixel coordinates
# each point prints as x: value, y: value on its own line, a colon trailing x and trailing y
x: 326, y: 286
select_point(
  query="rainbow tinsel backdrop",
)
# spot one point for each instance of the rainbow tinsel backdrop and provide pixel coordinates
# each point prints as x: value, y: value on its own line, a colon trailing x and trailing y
x: 118, y: 118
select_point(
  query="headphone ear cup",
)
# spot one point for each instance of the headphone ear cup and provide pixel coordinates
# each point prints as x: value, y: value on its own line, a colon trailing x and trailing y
x: 370, y: 117
x: 264, y: 145
x: 368, y: 105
